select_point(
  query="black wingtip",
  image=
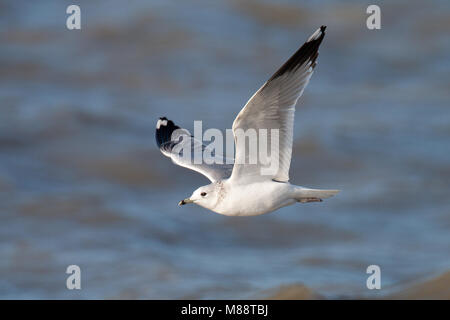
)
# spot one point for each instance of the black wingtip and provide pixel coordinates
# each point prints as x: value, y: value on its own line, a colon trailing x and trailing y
x: 307, y: 52
x: 164, y: 130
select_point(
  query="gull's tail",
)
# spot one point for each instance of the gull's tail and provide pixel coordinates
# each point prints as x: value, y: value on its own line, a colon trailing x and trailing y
x: 302, y: 194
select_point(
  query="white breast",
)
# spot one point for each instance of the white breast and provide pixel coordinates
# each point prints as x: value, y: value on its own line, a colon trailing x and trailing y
x: 254, y: 199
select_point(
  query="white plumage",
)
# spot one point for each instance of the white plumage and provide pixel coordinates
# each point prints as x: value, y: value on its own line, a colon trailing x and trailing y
x: 248, y: 192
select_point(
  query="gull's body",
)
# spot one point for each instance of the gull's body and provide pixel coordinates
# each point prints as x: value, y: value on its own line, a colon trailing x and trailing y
x: 255, y: 198
x: 251, y: 199
x: 241, y: 189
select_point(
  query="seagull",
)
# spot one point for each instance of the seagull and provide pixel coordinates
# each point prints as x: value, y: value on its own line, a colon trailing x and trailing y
x: 239, y: 188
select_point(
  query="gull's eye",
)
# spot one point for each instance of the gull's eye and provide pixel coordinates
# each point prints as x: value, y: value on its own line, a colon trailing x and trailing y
x: 203, y: 194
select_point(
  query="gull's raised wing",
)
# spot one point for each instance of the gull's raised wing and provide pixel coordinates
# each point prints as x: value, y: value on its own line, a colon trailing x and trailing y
x: 273, y: 107
x: 173, y: 141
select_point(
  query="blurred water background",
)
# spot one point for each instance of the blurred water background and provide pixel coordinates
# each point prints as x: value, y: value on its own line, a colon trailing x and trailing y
x: 82, y: 181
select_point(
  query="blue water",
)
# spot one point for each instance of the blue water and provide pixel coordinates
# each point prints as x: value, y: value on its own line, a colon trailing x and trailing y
x: 82, y: 182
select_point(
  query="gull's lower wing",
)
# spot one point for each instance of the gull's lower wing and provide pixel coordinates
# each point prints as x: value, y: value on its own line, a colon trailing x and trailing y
x: 273, y: 107
x: 177, y: 144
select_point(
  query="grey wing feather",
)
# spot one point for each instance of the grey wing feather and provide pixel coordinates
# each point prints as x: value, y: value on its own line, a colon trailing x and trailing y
x: 273, y: 107
x: 179, y: 145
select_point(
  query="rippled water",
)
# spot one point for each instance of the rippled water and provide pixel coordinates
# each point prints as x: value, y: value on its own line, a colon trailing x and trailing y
x: 82, y: 182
